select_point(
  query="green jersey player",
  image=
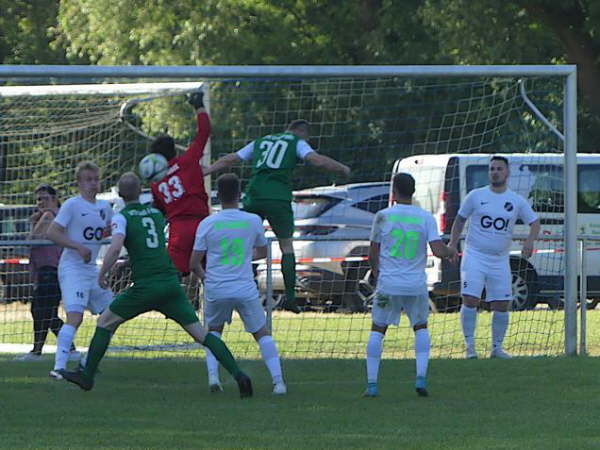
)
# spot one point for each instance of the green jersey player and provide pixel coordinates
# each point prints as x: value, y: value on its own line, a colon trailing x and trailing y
x: 269, y: 191
x: 155, y: 286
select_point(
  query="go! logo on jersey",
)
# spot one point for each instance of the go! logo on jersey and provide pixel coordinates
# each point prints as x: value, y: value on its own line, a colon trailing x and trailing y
x: 90, y: 233
x: 499, y: 223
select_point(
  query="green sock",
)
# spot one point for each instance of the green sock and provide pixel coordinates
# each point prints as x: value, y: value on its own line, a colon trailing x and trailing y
x: 222, y: 353
x: 96, y: 351
x: 288, y: 269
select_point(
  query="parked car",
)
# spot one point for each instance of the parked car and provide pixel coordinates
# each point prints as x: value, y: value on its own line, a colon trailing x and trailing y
x: 443, y: 181
x: 15, y: 282
x: 332, y: 222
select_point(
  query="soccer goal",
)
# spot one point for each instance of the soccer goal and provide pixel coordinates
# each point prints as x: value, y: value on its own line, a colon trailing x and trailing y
x: 427, y: 120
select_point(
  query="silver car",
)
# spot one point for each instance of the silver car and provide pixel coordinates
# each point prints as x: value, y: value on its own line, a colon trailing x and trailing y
x: 331, y: 241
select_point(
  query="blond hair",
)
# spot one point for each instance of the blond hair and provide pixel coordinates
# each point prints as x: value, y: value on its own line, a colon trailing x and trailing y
x: 129, y: 186
x: 86, y: 165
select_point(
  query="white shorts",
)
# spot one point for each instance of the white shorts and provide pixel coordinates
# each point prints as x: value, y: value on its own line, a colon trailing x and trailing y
x: 387, y: 309
x: 218, y: 312
x: 493, y: 273
x: 81, y: 291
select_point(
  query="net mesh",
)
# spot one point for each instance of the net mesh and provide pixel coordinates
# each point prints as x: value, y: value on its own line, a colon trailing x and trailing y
x: 366, y: 123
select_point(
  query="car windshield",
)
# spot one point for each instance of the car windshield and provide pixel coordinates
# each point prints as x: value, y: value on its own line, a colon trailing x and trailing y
x: 311, y: 206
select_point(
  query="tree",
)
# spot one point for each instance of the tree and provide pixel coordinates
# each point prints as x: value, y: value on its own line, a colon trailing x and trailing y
x: 526, y: 32
x: 27, y: 31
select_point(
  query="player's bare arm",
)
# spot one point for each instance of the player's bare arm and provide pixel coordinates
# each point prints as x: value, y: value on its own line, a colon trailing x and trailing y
x: 196, y: 259
x: 441, y: 250
x: 374, y: 250
x: 41, y: 226
x: 57, y: 234
x: 534, y: 231
x: 224, y: 162
x: 112, y: 254
x: 457, y: 229
x: 327, y: 163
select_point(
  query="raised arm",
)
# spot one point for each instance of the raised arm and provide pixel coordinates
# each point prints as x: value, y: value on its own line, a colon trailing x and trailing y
x: 196, y: 149
x: 224, y: 162
x: 41, y: 226
x: 327, y: 163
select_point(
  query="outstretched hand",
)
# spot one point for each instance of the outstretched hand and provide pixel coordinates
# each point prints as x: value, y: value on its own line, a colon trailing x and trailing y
x: 196, y: 99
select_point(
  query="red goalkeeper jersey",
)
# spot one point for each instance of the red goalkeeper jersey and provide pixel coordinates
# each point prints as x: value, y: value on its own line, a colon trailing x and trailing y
x: 181, y: 193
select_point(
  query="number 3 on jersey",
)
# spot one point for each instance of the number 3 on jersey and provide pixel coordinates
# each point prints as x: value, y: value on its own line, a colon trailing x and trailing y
x: 172, y: 189
x: 272, y: 153
x: 152, y: 239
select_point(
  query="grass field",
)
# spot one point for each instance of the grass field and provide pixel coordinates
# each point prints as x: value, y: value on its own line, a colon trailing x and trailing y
x: 531, y: 403
x: 326, y: 335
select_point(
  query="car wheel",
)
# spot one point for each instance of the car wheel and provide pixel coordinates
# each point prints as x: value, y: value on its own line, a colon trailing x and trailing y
x: 524, y: 286
x: 353, y: 299
x: 592, y: 303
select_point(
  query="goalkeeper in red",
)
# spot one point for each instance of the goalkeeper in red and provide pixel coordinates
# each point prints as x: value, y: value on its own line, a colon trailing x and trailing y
x: 155, y: 287
x: 269, y: 191
x: 181, y: 195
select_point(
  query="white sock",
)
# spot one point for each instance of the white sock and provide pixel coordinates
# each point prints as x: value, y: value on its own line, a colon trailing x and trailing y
x: 374, y: 350
x: 270, y: 356
x: 468, y: 319
x: 422, y: 345
x: 499, y: 327
x: 212, y: 365
x: 64, y: 341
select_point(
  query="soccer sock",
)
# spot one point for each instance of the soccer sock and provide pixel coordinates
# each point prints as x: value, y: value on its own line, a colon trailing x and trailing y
x: 222, y: 353
x: 96, y: 351
x: 468, y: 319
x: 499, y: 327
x: 422, y: 345
x: 270, y: 356
x: 63, y: 345
x: 288, y: 269
x: 374, y: 350
x: 212, y: 365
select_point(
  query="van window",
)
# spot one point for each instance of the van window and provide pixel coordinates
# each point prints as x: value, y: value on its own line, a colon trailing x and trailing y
x: 428, y: 186
x: 477, y: 176
x: 588, y: 189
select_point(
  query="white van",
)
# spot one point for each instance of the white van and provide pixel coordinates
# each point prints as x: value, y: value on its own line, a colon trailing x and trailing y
x: 443, y: 181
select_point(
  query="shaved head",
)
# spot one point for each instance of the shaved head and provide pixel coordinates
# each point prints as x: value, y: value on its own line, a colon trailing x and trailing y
x: 129, y: 186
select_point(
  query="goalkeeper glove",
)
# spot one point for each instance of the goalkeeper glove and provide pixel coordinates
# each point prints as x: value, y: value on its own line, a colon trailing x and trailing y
x: 196, y: 99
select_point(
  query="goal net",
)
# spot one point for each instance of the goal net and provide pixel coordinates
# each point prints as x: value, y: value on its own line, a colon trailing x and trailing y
x: 441, y: 130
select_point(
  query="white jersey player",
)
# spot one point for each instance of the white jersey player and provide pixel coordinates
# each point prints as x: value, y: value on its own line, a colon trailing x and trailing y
x: 398, y: 256
x: 82, y: 222
x: 229, y: 240
x: 492, y: 212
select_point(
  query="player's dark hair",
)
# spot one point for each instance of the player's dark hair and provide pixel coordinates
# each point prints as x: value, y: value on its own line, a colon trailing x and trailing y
x: 504, y: 159
x: 299, y: 124
x: 228, y: 187
x: 164, y: 145
x: 48, y: 190
x: 403, y: 184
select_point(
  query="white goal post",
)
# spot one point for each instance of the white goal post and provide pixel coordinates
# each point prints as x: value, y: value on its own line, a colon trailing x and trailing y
x: 568, y: 73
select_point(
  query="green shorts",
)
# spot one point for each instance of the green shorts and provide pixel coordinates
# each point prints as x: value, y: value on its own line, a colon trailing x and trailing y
x: 162, y: 295
x: 277, y: 212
